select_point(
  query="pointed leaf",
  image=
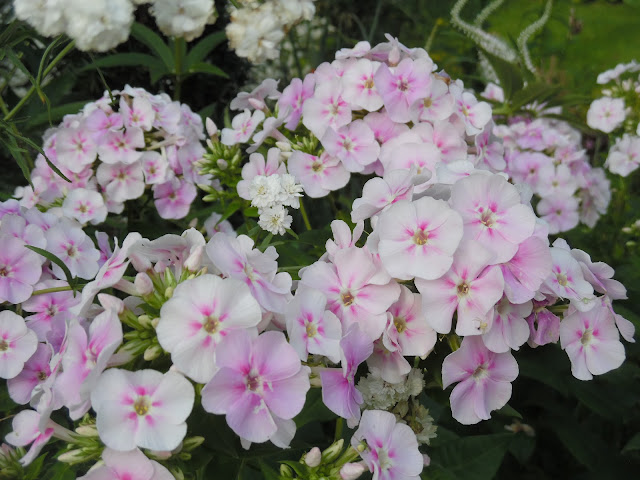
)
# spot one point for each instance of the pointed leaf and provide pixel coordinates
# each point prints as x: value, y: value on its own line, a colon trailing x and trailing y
x: 126, y: 60
x: 50, y: 256
x: 202, y: 67
x: 201, y: 49
x: 155, y: 43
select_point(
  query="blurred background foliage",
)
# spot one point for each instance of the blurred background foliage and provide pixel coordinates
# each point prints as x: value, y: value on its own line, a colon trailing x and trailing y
x: 564, y: 428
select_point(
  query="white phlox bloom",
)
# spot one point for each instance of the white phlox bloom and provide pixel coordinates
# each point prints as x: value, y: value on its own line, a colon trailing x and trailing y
x: 275, y: 220
x: 183, y: 18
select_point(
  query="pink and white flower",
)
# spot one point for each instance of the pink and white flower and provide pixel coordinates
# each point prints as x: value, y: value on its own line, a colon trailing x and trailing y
x: 120, y: 181
x: 35, y: 371
x: 242, y: 127
x: 293, y: 98
x: 20, y: 270
x: 67, y: 241
x: 85, y: 206
x: 174, y: 198
x: 354, y: 144
x: 485, y: 380
x: 318, y: 175
x: 359, y: 86
x: 133, y: 465
x: 260, y: 383
x: 606, y: 114
x: 145, y: 409
x: 121, y: 146
x: 17, y: 344
x: 198, y: 317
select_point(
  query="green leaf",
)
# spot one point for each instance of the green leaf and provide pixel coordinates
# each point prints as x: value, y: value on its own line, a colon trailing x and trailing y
x: 201, y: 49
x: 510, y: 77
x: 60, y: 471
x: 469, y: 458
x: 126, y: 60
x: 155, y: 43
x: 50, y: 256
x: 509, y: 411
x: 32, y: 472
x: 314, y: 410
x: 202, y: 67
x: 231, y: 209
x: 17, y: 153
x: 633, y: 444
x: 269, y: 473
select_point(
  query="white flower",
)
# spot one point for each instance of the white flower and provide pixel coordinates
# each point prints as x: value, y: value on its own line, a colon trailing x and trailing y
x: 606, y: 114
x: 183, y: 18
x: 290, y: 191
x: 255, y: 33
x: 98, y: 25
x: 264, y: 191
x: 275, y: 220
x: 46, y: 16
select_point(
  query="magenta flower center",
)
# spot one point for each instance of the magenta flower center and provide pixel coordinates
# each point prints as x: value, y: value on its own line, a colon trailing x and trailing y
x: 142, y: 405
x: 254, y: 382
x: 42, y: 376
x: 5, y: 271
x: 488, y: 218
x: 420, y: 237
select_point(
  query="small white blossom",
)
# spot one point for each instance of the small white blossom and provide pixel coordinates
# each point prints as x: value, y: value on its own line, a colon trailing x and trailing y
x: 275, y: 220
x: 265, y: 191
x: 290, y: 191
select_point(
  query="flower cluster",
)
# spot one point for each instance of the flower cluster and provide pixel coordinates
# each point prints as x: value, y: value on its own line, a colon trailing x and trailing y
x: 113, y: 150
x: 258, y: 27
x: 101, y: 25
x: 547, y: 155
x: 617, y: 113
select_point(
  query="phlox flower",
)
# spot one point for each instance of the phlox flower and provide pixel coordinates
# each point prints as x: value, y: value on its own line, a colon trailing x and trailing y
x: 567, y: 280
x: 270, y: 128
x: 339, y: 392
x: 624, y: 156
x: 592, y: 342
x: 47, y: 306
x: 606, y: 114
x: 133, y: 465
x: 85, y: 206
x: 260, y: 380
x: 293, y: 98
x: 354, y: 144
x: 446, y: 137
x: 85, y: 358
x: 485, y: 380
x: 492, y: 214
x: 20, y: 269
x: 470, y: 287
x: 391, y: 448
x: 408, y: 330
x: 267, y: 89
x: 379, y: 193
x: 35, y: 371
x: 510, y: 329
x: 18, y: 227
x: 74, y: 247
x: 359, y: 50
x: 327, y: 108
x: 556, y: 180
x: 236, y: 258
x: 121, y: 182
x: 384, y: 129
x: 356, y: 290
x: 75, y: 148
x: 342, y: 237
x: 389, y: 365
x: 559, y: 211
x: 198, y: 317
x: 139, y: 114
x: 526, y: 271
x: 242, y: 127
x: 26, y: 431
x: 359, y: 86
x: 173, y: 198
x: 17, y: 344
x: 418, y: 239
x: 145, y: 409
x: 318, y: 175
x: 121, y: 146
x: 257, y: 166
x: 408, y: 151
x: 400, y: 88
x: 213, y: 225
x: 290, y: 191
x: 311, y: 328
x: 275, y: 220
x: 544, y: 327
x: 435, y: 106
x: 489, y: 150
x: 155, y: 168
x: 475, y: 114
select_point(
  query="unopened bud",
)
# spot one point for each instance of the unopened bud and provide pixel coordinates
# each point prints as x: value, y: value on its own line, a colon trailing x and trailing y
x: 143, y: 284
x: 72, y: 456
x: 256, y: 103
x: 284, y: 146
x: 285, y: 471
x: 177, y: 473
x: 351, y: 471
x: 155, y: 322
x: 222, y: 164
x: 313, y: 457
x: 211, y: 127
x: 193, y: 261
x: 192, y: 443
x: 87, y: 431
x: 331, y: 453
x: 168, y: 293
x: 144, y: 320
x: 152, y: 352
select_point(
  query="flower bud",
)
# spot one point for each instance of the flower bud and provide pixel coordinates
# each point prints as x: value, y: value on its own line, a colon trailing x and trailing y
x: 331, y: 453
x: 257, y: 103
x: 143, y: 284
x: 191, y: 443
x: 211, y: 127
x: 144, y: 320
x: 168, y: 293
x: 351, y: 471
x: 87, y: 431
x: 285, y: 471
x: 193, y: 261
x: 152, y: 352
x: 313, y: 457
x: 73, y: 456
x: 222, y: 164
x: 177, y: 473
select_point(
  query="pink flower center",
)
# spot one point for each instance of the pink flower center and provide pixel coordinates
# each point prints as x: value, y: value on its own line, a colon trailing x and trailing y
x: 420, y: 237
x: 488, y: 218
x: 254, y: 382
x: 72, y: 251
x: 141, y: 405
x: 5, y: 271
x: 562, y: 279
x: 403, y: 85
x: 480, y: 372
x: 347, y: 144
x: 316, y: 167
x: 42, y: 376
x: 52, y: 310
x: 312, y: 330
x: 4, y: 346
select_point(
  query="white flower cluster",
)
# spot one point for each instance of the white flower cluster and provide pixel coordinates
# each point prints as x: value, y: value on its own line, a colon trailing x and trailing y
x: 100, y: 25
x: 425, y: 420
x: 271, y: 194
x: 256, y: 29
x: 381, y: 395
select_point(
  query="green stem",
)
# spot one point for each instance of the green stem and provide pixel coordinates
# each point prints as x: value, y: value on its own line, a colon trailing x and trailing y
x: 179, y: 47
x: 305, y: 218
x: 51, y: 290
x: 339, y: 426
x: 3, y: 106
x: 294, y: 49
x: 46, y: 72
x: 432, y: 35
